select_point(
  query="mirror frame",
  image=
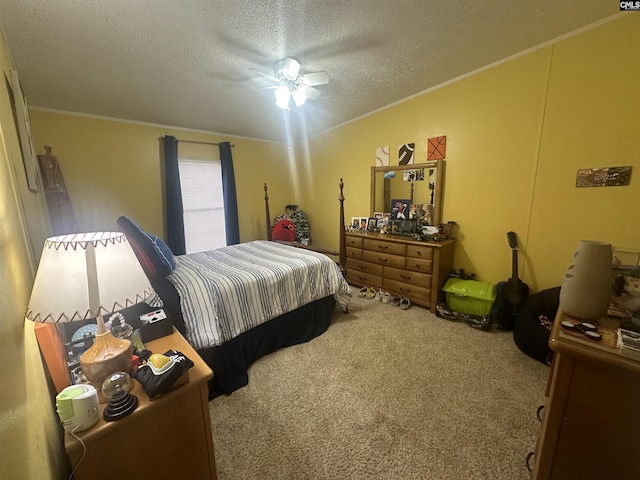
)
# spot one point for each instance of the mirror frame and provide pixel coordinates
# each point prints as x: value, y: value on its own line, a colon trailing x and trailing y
x: 438, y: 165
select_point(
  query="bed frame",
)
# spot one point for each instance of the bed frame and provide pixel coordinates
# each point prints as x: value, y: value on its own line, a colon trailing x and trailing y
x: 342, y: 254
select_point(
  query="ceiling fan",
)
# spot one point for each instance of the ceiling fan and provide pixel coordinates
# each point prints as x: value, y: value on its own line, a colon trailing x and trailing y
x: 293, y: 86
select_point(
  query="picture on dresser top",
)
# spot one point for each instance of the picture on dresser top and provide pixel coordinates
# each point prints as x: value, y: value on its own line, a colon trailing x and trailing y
x: 400, y: 208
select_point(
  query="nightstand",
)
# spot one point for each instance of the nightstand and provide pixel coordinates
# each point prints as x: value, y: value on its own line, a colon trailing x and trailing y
x: 168, y: 437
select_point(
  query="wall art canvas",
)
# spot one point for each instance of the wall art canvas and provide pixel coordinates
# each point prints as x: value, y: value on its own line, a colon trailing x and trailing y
x: 604, y: 177
x: 436, y: 148
x: 405, y: 153
x: 400, y: 208
x: 23, y: 126
x: 382, y: 156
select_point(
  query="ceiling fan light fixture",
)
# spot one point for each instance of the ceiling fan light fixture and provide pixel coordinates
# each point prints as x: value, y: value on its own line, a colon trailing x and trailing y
x: 299, y: 97
x: 287, y: 68
x: 283, y: 95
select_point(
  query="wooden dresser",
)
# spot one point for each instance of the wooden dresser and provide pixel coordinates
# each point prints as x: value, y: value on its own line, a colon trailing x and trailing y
x: 400, y: 265
x: 591, y: 422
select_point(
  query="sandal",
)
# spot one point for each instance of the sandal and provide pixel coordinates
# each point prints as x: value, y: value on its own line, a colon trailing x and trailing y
x: 405, y: 303
x: 371, y: 293
x: 386, y: 297
x: 396, y: 301
x: 379, y: 295
x: 363, y: 291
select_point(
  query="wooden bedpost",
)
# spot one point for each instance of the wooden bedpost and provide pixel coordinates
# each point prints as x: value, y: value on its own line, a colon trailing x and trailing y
x: 266, y: 204
x: 343, y: 250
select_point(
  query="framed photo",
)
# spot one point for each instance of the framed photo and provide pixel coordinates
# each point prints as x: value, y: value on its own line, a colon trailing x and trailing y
x: 382, y: 222
x: 29, y: 157
x: 372, y: 224
x: 400, y: 208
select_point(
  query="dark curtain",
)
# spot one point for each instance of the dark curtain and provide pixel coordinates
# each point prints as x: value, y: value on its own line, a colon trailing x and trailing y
x: 229, y: 194
x: 175, y: 220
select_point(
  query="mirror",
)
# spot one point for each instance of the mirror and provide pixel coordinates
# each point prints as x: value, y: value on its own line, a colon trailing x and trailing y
x: 407, y: 191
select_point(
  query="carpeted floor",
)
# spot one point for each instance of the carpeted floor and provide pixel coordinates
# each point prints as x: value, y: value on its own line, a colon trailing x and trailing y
x: 384, y: 394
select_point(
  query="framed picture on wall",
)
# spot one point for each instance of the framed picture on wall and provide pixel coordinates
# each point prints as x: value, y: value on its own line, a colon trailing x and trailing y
x: 23, y: 126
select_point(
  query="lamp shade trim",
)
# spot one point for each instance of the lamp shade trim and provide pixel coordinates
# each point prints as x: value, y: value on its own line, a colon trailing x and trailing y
x: 86, y: 275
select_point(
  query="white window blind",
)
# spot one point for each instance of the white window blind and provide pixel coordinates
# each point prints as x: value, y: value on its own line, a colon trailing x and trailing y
x: 203, y: 204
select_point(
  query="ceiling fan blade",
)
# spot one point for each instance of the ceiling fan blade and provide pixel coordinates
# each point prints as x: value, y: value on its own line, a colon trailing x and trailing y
x: 311, y: 92
x: 262, y: 74
x: 315, y: 78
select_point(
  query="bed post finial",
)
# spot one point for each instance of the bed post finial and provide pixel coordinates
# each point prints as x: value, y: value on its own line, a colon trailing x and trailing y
x: 343, y: 250
x: 268, y: 215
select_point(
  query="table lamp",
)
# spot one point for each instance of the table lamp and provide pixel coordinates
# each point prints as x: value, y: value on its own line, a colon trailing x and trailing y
x: 87, y: 275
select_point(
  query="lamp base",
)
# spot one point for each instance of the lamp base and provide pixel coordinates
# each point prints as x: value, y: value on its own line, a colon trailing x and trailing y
x: 120, y: 406
x: 108, y: 354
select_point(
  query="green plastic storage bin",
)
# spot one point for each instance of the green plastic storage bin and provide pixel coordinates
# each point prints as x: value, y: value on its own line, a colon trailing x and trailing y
x: 469, y: 296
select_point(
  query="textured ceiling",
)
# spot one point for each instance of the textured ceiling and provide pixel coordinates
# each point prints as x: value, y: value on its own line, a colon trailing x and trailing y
x: 195, y: 64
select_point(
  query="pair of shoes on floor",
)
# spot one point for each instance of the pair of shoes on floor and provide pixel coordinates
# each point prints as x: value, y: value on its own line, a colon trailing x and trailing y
x: 384, y: 297
x: 403, y: 302
x: 367, y: 292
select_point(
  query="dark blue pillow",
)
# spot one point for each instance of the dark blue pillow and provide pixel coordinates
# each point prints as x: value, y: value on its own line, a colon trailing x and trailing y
x: 154, y: 255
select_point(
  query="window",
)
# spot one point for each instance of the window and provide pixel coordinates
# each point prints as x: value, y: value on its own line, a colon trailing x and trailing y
x: 203, y: 204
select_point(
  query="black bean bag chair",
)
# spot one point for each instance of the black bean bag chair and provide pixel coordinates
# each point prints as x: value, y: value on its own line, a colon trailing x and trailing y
x: 533, y: 322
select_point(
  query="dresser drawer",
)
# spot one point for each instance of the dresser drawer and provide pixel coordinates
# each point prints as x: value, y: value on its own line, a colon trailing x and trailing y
x: 419, y: 265
x: 418, y: 295
x: 385, y: 259
x: 364, y: 267
x: 406, y: 276
x: 361, y: 279
x: 416, y: 251
x: 355, y: 242
x: 385, y: 247
x: 354, y: 253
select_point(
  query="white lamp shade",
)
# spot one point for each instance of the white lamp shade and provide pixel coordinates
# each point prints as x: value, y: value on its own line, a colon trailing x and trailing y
x: 85, y: 275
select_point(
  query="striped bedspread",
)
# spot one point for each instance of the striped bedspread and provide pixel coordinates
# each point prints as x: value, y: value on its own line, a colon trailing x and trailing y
x: 227, y: 291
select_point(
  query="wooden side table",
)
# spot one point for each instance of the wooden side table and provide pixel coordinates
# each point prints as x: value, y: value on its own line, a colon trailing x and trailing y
x: 168, y: 437
x: 591, y: 420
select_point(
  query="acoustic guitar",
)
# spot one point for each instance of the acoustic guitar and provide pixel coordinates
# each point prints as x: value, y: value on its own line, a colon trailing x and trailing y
x: 510, y: 294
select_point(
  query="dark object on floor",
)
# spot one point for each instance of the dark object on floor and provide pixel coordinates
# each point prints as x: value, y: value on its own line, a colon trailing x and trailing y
x: 532, y: 325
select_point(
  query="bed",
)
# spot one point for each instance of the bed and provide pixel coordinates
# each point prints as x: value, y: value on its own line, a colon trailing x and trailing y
x: 238, y: 303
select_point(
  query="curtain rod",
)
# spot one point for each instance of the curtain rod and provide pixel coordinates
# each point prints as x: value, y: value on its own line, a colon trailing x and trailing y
x: 201, y: 143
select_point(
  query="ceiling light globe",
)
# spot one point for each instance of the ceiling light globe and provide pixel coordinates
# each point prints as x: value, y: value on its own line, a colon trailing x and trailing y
x: 283, y: 95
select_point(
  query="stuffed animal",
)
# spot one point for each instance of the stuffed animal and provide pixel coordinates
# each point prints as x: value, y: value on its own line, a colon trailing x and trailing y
x: 632, y: 288
x: 284, y: 230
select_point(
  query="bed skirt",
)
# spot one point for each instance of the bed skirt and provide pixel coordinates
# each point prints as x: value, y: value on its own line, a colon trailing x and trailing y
x: 231, y: 360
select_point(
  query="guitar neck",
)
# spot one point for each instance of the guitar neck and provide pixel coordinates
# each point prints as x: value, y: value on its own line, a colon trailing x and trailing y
x: 514, y: 264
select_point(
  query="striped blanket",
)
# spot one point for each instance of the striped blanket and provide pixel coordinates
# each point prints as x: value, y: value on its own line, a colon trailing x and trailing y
x: 227, y: 291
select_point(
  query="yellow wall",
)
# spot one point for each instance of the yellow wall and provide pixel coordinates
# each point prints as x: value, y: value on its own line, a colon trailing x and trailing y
x: 114, y: 168
x: 30, y: 433
x: 516, y: 135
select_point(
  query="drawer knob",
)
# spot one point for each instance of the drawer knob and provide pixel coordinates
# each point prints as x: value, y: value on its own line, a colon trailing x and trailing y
x: 405, y: 277
x: 383, y: 259
x: 362, y: 267
x: 383, y: 247
x: 362, y: 278
x: 404, y: 290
